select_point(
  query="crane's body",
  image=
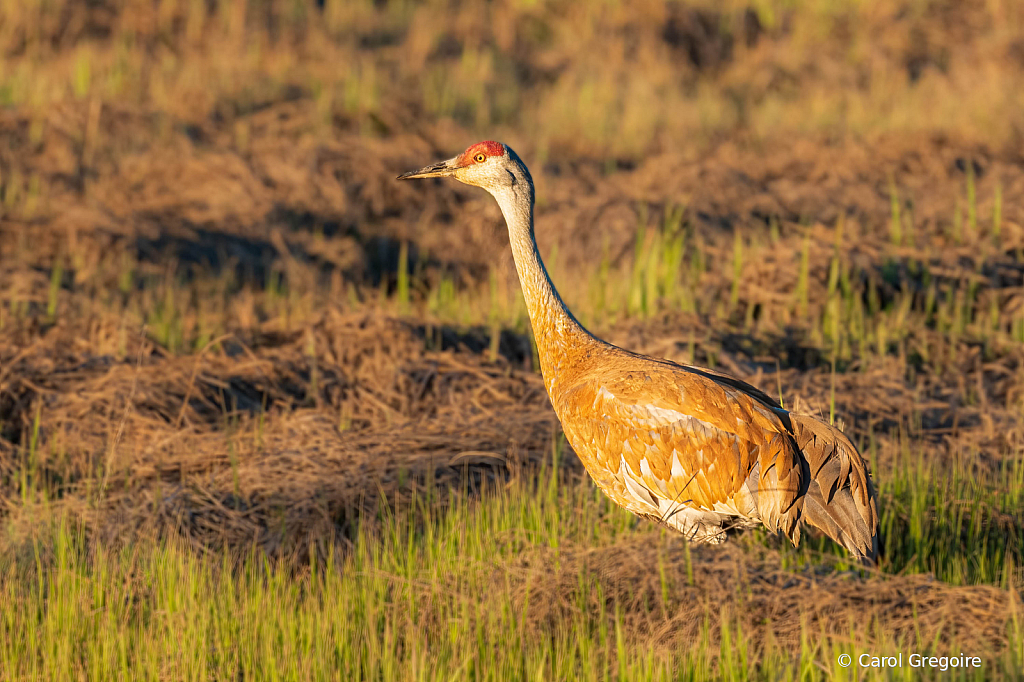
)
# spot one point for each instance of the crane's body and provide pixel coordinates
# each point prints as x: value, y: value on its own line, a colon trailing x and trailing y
x: 697, y: 450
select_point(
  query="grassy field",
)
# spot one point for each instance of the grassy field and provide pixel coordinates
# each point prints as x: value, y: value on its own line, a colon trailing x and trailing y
x: 537, y: 580
x: 266, y: 413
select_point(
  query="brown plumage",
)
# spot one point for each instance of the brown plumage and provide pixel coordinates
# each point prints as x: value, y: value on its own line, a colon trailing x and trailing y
x: 697, y: 450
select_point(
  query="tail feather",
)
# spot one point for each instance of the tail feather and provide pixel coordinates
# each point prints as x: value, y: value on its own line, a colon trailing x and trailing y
x: 842, y: 521
x: 840, y: 499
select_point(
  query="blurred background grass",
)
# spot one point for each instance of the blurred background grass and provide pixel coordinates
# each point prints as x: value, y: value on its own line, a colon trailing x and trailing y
x: 608, y: 80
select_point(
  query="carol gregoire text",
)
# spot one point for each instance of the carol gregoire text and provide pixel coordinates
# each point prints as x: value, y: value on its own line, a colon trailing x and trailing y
x: 867, y: 660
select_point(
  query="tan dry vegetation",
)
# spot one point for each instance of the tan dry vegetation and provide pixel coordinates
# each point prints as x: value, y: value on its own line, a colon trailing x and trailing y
x: 766, y: 600
x: 277, y: 444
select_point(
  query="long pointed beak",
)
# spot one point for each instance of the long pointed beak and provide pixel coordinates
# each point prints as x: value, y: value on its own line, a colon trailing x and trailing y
x: 435, y: 170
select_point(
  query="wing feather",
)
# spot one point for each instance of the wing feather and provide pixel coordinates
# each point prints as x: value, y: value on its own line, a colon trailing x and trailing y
x: 701, y: 449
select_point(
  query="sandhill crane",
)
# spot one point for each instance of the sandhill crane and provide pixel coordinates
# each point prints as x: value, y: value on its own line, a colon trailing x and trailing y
x: 695, y: 449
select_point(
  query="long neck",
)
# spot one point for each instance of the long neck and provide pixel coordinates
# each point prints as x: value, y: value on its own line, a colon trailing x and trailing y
x: 554, y: 327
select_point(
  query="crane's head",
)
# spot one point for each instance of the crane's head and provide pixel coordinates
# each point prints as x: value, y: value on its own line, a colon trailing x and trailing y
x: 491, y: 165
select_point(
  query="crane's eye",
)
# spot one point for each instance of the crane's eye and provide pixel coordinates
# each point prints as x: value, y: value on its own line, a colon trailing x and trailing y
x: 479, y: 158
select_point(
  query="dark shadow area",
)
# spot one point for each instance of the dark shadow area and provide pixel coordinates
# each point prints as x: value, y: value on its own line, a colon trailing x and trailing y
x: 210, y: 251
x: 768, y: 351
x: 258, y: 260
x: 894, y: 276
x: 512, y: 346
